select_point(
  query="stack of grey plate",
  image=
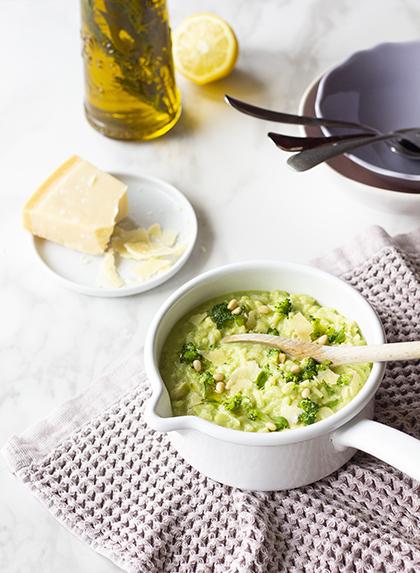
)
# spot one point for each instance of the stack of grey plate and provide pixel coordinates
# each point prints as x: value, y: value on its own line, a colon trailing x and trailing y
x: 380, y: 88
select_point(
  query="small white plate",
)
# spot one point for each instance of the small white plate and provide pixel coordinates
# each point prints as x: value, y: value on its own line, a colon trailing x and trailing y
x: 150, y: 200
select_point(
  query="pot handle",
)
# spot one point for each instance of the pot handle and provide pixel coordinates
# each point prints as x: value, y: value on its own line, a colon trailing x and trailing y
x: 392, y: 446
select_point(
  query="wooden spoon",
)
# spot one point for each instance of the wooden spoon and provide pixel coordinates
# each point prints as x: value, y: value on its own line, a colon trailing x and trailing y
x: 335, y: 354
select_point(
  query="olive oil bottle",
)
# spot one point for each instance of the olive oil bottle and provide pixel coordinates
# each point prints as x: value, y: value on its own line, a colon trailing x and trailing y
x: 130, y: 89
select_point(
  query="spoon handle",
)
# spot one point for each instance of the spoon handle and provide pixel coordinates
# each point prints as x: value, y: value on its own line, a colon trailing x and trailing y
x: 312, y: 157
x: 372, y: 353
x: 288, y: 118
x: 336, y: 354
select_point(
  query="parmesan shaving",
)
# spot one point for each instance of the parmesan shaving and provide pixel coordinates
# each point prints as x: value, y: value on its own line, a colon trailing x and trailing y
x: 154, y: 232
x: 111, y: 274
x: 131, y: 235
x: 169, y: 237
x: 156, y: 250
x: 196, y: 319
x: 147, y: 269
x: 141, y: 249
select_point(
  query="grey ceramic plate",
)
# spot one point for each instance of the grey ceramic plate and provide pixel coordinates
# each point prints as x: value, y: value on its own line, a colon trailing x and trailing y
x: 377, y: 87
x: 347, y: 168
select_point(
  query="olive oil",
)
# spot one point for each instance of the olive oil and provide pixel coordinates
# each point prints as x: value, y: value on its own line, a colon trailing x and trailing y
x: 130, y: 89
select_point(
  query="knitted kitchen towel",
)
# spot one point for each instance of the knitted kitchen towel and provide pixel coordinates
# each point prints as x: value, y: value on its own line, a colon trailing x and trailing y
x: 123, y: 489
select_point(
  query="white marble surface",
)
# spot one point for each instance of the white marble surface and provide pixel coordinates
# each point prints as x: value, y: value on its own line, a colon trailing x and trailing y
x: 250, y: 205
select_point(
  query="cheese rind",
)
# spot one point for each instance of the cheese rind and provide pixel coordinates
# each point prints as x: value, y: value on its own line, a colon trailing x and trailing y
x: 77, y: 206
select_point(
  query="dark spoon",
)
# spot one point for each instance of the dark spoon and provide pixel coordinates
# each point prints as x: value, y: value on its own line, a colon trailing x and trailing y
x: 292, y: 143
x: 403, y: 146
x: 291, y: 119
x: 312, y: 157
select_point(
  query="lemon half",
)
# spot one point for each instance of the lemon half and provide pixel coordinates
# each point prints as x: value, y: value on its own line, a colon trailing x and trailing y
x: 205, y: 48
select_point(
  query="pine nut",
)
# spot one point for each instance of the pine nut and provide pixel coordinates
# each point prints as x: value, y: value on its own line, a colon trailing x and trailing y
x: 288, y: 388
x: 236, y: 311
x: 232, y: 304
x: 220, y: 387
x: 219, y: 376
x: 282, y: 357
x: 305, y: 393
x: 322, y: 340
x: 295, y: 369
x: 197, y: 365
x: 263, y: 309
x: 270, y: 426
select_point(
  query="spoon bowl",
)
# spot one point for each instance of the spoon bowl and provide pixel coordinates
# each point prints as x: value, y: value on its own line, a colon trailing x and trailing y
x: 294, y: 144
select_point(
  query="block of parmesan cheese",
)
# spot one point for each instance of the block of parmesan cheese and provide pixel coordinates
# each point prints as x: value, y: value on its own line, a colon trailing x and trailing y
x: 77, y: 206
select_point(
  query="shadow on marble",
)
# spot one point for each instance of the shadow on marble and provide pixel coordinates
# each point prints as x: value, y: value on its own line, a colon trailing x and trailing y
x: 188, y: 123
x: 201, y: 253
x: 275, y: 79
x: 243, y: 82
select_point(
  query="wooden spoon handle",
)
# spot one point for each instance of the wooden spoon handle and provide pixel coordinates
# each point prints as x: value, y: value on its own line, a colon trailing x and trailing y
x: 371, y: 353
x: 336, y: 354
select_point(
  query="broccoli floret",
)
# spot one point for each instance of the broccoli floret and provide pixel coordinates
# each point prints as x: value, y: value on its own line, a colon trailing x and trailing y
x: 241, y: 404
x: 273, y: 331
x: 240, y: 319
x: 343, y: 380
x: 273, y: 352
x: 233, y: 403
x: 310, y: 412
x: 317, y: 328
x: 336, y: 336
x: 262, y: 378
x: 252, y: 414
x: 289, y: 377
x: 310, y: 368
x: 189, y: 353
x: 247, y: 406
x: 281, y: 423
x: 208, y: 384
x: 221, y: 315
x: 284, y: 307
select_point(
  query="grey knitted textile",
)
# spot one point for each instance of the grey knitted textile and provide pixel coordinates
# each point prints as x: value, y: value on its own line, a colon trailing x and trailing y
x: 124, y: 490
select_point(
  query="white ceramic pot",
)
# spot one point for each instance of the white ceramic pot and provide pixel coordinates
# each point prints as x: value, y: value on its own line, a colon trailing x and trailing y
x: 278, y: 460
